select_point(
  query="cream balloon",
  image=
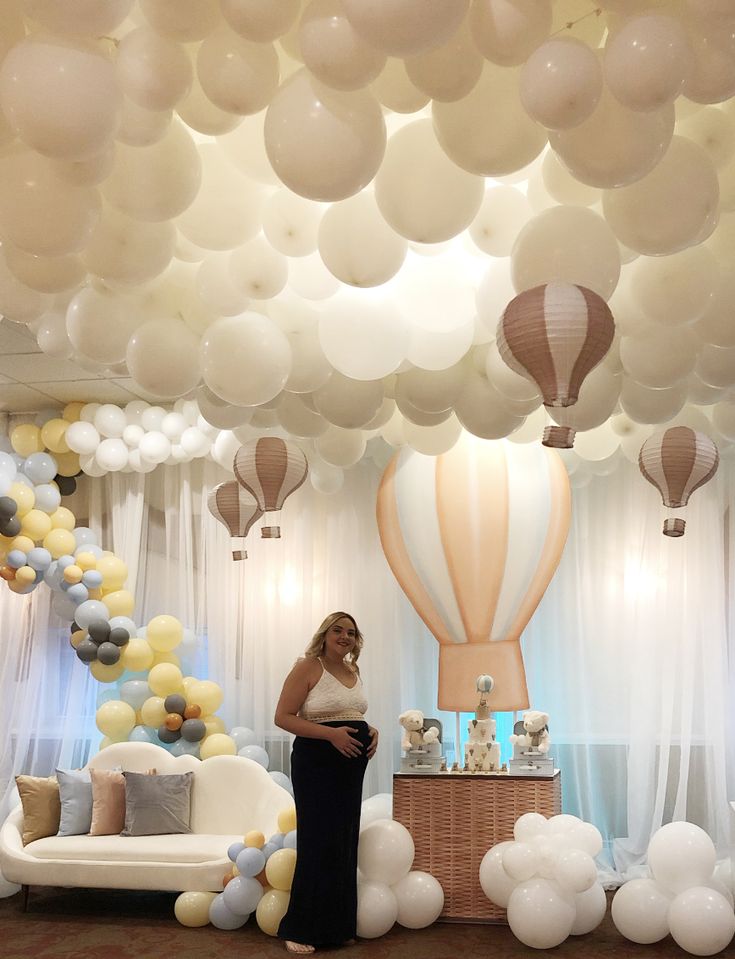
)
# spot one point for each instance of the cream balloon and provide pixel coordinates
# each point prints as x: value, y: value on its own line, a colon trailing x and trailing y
x: 60, y: 96
x: 245, y: 360
x: 405, y: 27
x: 99, y: 324
x: 395, y: 90
x: 508, y: 31
x: 562, y: 186
x: 436, y: 201
x: 140, y: 127
x: 309, y: 278
x: 438, y: 349
x: 298, y: 419
x: 648, y: 406
x: 676, y: 290
x: 433, y: 391
x: 260, y: 20
x: 163, y: 357
x: 713, y: 130
x: 153, y: 71
x: 506, y: 141
x: 348, y: 403
x: 716, y: 366
x: 568, y: 244
x: 503, y: 213
x: 483, y: 411
x: 216, y: 289
x: 561, y: 83
x: 667, y: 210
x: 237, y: 75
x: 340, y: 447
x: 659, y: 362
x: 126, y: 252
x: 598, y: 398
x: 448, y: 72
x: 184, y: 20
x: 712, y: 77
x: 291, y: 223
x: 258, y: 270
x: 244, y: 147
x: 91, y: 18
x: 198, y: 112
x: 323, y: 144
x: 45, y: 274
x: 716, y: 325
x: 332, y: 49
x: 357, y: 245
x: 363, y: 340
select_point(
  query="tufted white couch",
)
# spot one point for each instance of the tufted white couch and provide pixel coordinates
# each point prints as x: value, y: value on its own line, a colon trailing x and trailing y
x: 230, y: 796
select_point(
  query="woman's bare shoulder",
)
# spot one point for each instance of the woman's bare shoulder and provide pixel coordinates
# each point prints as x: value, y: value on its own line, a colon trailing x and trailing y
x: 307, y: 667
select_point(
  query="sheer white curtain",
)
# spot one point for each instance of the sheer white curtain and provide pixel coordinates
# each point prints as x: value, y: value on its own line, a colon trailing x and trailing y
x: 628, y: 651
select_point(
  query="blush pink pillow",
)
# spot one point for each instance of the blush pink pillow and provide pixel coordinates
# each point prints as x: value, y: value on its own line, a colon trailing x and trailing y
x: 108, y: 802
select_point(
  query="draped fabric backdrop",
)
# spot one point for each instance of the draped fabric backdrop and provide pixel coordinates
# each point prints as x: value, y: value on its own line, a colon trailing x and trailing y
x: 628, y: 651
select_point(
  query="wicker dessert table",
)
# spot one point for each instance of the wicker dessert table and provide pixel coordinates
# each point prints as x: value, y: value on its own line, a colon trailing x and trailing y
x: 455, y: 818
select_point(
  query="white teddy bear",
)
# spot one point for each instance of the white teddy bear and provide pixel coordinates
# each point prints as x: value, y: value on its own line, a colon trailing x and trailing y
x: 414, y: 734
x: 531, y: 734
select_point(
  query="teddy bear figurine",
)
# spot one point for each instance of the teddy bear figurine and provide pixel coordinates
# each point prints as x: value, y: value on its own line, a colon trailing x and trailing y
x: 531, y: 734
x: 415, y: 736
x: 481, y: 751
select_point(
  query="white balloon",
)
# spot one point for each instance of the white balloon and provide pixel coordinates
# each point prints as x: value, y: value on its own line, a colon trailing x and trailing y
x: 163, y: 357
x: 238, y: 75
x: 539, y: 914
x: 340, y: 447
x: 99, y: 324
x: 385, y: 852
x: 701, y: 921
x: 258, y: 270
x: 659, y: 362
x: 348, y: 403
x: 520, y: 861
x: 153, y: 71
x: 260, y: 20
x: 651, y: 405
x: 494, y: 880
x: 404, y: 27
x: 676, y: 290
x: 110, y: 420
x: 377, y: 909
x: 90, y: 18
x: 448, y: 72
x: 435, y: 439
x: 420, y: 900
x: 503, y: 213
x: 507, y: 31
x: 590, y: 908
x: 154, y: 447
x: 681, y: 855
x: 82, y: 437
x: 529, y: 825
x: 575, y: 870
x: 561, y: 83
x: 112, y: 455
x: 291, y: 223
x: 483, y: 411
x: 125, y: 252
x: 712, y: 78
x: 379, y: 806
x: 132, y: 435
x: 333, y: 50
x: 363, y: 340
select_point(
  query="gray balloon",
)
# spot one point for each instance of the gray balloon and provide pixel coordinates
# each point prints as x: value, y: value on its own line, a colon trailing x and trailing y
x: 107, y: 653
x: 194, y: 730
x: 10, y: 527
x: 8, y: 507
x: 87, y: 651
x: 168, y: 735
x: 119, y: 636
x: 174, y: 703
x: 99, y: 631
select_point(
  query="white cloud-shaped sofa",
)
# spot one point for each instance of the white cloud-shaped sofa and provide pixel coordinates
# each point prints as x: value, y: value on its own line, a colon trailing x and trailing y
x: 230, y: 796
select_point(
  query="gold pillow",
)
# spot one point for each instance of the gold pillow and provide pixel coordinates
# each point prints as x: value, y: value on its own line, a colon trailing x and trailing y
x: 39, y: 797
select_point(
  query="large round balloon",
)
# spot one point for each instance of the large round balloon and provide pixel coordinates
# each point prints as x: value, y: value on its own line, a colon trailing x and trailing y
x: 474, y: 537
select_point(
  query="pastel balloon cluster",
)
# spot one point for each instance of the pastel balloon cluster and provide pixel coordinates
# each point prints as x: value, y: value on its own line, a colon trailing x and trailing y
x: 314, y: 213
x: 388, y: 890
x: 682, y: 897
x: 546, y: 878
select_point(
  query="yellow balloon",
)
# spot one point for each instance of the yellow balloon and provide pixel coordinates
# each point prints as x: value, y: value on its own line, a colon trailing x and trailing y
x: 23, y: 543
x: 26, y: 439
x: 286, y: 821
x: 114, y: 572
x: 23, y: 496
x: 73, y: 574
x: 186, y: 683
x: 106, y: 674
x: 77, y: 636
x: 192, y: 908
x: 60, y: 542
x: 164, y: 633
x: 120, y: 603
x: 25, y: 575
x: 86, y: 561
x: 137, y: 656
x: 166, y: 658
x: 36, y: 525
x: 254, y: 839
x: 52, y: 435
x: 63, y: 518
x: 15, y: 587
x: 214, y: 724
x: 164, y: 679
x: 95, y: 594
x: 218, y: 744
x: 279, y: 869
x: 153, y: 711
x: 271, y: 909
x: 206, y: 694
x: 115, y: 719
x: 235, y: 871
x: 67, y: 464
x: 72, y: 412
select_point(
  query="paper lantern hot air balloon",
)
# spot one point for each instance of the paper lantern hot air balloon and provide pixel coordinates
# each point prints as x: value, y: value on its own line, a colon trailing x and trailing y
x: 236, y: 509
x: 556, y: 334
x: 677, y: 462
x: 474, y: 537
x: 271, y: 470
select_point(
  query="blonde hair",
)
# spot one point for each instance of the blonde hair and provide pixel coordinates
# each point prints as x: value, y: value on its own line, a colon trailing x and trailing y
x: 318, y: 640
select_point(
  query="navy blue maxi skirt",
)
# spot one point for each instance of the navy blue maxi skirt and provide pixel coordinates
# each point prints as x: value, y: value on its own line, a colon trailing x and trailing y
x: 328, y: 794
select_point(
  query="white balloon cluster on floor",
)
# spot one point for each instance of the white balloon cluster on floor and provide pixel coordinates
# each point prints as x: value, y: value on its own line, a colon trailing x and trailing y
x: 388, y: 890
x: 547, y: 879
x: 683, y: 897
x: 314, y: 212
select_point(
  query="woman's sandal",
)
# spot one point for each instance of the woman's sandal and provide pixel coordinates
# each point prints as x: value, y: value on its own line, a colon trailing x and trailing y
x: 299, y: 948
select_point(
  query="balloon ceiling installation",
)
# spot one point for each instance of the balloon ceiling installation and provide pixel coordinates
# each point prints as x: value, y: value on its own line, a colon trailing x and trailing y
x: 677, y: 462
x: 270, y: 470
x: 232, y: 506
x: 311, y: 215
x: 474, y: 537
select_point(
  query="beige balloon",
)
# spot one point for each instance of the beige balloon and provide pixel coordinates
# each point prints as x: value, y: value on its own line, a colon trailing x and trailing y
x: 420, y: 192
x: 341, y: 447
x: 652, y: 405
x: 126, y: 252
x: 569, y: 244
x: 676, y: 290
x: 86, y: 172
x: 712, y: 78
x: 163, y: 358
x: 508, y: 31
x: 323, y: 144
x: 198, y: 112
x: 658, y: 361
x: 598, y: 398
x: 298, y: 419
x: 184, y: 20
x: 450, y: 71
x: 716, y: 325
x: 562, y: 186
x: 309, y: 278
x: 433, y: 440
x: 363, y: 340
x: 140, y: 127
x: 405, y: 27
x: 482, y: 411
x: 18, y: 302
x: 561, y: 83
x: 260, y: 20
x: 258, y: 270
x: 503, y: 213
x: 433, y: 391
x: 86, y: 18
x: 505, y: 141
x: 395, y: 90
x: 157, y: 182
x: 60, y: 96
x: 216, y: 289
x: 713, y: 130
x: 357, y: 245
x: 237, y: 75
x: 245, y: 148
x: 671, y: 207
x: 153, y: 71
x: 715, y: 366
x: 419, y: 417
x: 437, y: 349
x: 333, y: 51
x: 348, y: 403
x: 291, y: 223
x: 310, y: 367
x: 45, y: 274
x: 100, y: 323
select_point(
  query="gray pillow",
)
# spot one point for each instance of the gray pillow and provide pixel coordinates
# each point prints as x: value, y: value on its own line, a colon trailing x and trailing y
x: 155, y: 805
x: 75, y: 793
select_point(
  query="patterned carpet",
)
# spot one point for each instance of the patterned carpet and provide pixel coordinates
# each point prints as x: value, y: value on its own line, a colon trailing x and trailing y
x: 109, y: 924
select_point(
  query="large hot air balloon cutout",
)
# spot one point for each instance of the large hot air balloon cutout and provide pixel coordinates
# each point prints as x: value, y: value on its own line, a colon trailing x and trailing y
x: 677, y: 462
x: 474, y: 537
x: 555, y: 334
x: 271, y: 469
x: 236, y: 509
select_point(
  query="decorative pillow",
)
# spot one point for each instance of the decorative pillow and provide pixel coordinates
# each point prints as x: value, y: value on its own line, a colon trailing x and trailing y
x: 41, y: 806
x: 108, y: 802
x: 75, y: 789
x: 156, y: 805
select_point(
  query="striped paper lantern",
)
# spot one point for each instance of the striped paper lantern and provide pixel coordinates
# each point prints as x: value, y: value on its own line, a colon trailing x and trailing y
x: 474, y: 537
x: 271, y: 469
x: 555, y: 334
x: 236, y: 509
x: 677, y: 462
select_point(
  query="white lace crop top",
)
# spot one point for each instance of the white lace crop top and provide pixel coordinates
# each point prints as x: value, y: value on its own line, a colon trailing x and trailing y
x: 331, y: 700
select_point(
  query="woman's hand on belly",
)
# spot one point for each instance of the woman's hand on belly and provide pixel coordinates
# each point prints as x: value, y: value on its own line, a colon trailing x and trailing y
x: 344, y: 742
